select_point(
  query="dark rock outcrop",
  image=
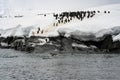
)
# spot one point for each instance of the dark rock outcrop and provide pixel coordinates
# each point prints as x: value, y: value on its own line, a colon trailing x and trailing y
x: 61, y: 43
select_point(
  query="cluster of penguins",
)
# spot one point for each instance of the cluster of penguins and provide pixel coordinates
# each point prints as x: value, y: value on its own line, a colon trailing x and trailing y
x: 66, y: 17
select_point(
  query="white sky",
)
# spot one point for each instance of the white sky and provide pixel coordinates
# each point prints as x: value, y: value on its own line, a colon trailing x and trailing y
x: 51, y: 5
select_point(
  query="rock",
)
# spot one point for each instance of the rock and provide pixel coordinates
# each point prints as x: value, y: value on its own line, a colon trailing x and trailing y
x: 45, y: 48
x: 105, y: 43
x: 66, y: 44
x: 61, y: 43
x: 116, y: 47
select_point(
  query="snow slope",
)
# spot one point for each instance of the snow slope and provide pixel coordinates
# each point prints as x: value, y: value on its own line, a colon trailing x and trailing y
x: 1, y: 31
x: 101, y: 24
x: 98, y: 26
x: 17, y: 31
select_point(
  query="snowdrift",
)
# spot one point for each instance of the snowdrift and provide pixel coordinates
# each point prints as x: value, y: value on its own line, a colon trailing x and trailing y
x: 88, y: 29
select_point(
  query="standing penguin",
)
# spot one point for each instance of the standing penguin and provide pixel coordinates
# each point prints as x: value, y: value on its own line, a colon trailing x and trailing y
x: 38, y: 30
x: 88, y: 16
x: 98, y: 11
x: 42, y: 32
x: 105, y: 12
x: 108, y: 11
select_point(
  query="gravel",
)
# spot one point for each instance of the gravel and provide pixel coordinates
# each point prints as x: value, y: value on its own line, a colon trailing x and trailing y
x: 16, y: 65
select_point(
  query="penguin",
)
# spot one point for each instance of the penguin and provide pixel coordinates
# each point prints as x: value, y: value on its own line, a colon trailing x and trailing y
x: 38, y: 30
x: 98, y: 11
x: 108, y: 11
x: 105, y: 12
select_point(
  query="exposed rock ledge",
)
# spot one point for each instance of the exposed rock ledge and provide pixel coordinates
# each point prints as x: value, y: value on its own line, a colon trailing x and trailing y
x: 60, y: 43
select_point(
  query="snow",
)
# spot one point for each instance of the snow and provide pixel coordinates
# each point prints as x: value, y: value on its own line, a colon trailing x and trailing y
x: 88, y: 29
x: 79, y: 45
x: 98, y: 26
x: 4, y: 44
x: 99, y: 22
x: 17, y: 31
x: 116, y: 38
x: 29, y: 18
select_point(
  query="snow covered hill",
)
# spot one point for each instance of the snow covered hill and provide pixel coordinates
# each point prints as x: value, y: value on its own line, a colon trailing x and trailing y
x: 105, y: 21
x: 0, y: 31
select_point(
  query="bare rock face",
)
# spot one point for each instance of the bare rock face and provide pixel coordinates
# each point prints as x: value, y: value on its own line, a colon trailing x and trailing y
x: 45, y: 48
x: 105, y: 43
x: 61, y: 43
x: 115, y: 47
x: 66, y: 44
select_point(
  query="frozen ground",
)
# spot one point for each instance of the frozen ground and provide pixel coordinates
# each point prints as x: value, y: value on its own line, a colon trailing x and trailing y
x: 15, y: 65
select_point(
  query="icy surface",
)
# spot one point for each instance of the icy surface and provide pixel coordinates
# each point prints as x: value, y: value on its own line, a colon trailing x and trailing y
x: 15, y: 65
